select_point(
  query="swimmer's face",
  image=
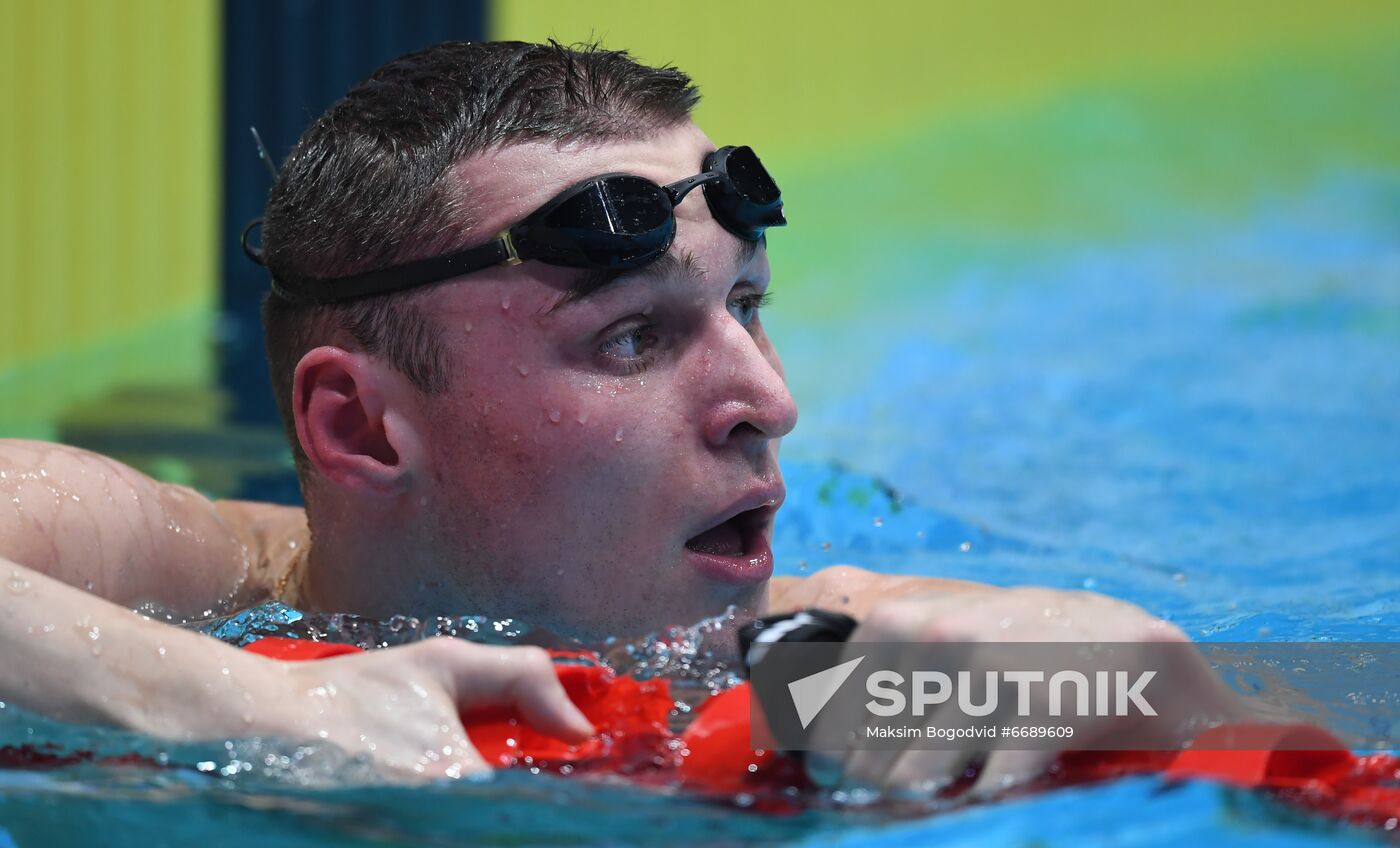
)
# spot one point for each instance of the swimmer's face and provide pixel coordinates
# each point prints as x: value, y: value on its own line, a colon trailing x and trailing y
x: 586, y: 450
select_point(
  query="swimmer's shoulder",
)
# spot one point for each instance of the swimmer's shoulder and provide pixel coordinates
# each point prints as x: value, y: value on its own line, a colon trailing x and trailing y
x: 277, y: 538
x: 851, y: 589
x: 96, y: 523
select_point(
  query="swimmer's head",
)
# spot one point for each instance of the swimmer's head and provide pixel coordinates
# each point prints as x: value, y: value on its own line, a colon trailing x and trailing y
x: 593, y: 452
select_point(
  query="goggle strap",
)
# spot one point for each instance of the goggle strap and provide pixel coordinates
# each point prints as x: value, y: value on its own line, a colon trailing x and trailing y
x: 679, y: 189
x: 504, y: 249
x: 401, y: 277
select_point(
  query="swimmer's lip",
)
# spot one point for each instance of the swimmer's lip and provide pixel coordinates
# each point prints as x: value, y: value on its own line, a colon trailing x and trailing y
x: 753, y: 567
x: 753, y: 515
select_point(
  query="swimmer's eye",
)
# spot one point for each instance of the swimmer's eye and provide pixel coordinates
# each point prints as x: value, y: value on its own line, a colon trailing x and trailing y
x: 631, y: 349
x: 745, y: 307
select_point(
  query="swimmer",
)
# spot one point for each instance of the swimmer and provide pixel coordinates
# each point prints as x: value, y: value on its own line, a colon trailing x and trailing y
x: 586, y: 440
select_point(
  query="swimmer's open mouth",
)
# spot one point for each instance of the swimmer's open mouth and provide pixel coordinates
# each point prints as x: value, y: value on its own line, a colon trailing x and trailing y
x: 733, y: 537
x: 736, y: 549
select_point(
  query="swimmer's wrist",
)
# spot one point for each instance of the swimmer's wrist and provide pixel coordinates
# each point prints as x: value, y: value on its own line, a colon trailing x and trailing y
x: 198, y: 689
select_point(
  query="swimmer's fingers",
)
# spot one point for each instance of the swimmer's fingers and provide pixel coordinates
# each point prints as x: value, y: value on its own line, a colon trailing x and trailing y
x: 990, y: 773
x: 924, y: 773
x: 519, y: 677
x: 396, y: 707
x: 1005, y: 770
x: 867, y: 769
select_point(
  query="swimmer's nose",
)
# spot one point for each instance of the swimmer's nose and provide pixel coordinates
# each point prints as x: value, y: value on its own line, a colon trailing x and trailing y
x: 751, y: 401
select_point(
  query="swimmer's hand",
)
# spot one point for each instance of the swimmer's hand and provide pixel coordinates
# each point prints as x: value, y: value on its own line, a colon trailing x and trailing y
x: 988, y: 616
x: 75, y: 657
x: 401, y: 705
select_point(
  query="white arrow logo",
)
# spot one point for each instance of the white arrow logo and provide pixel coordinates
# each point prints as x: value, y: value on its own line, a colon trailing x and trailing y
x: 811, y: 693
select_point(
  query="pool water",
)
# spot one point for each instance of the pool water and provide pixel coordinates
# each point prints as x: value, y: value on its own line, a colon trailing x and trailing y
x: 1206, y: 424
x: 1143, y: 339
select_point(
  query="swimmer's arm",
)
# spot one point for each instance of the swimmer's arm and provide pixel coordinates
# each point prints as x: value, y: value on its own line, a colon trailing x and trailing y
x: 851, y: 590
x: 74, y: 657
x: 97, y: 524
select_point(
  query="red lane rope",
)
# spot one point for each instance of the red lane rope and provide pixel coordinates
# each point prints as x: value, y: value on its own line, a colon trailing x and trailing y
x: 1300, y: 764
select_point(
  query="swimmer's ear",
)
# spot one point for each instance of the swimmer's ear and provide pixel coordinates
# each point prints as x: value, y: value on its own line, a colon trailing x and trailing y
x: 349, y: 422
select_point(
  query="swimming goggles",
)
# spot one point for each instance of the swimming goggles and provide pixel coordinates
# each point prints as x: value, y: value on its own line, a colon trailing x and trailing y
x: 609, y: 222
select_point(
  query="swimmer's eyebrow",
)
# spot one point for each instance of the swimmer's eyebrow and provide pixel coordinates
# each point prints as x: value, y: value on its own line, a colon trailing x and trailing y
x: 674, y: 261
x: 592, y: 282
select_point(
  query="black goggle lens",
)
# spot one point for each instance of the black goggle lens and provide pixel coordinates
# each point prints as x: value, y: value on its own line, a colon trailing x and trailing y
x: 749, y: 177
x: 613, y: 221
x: 619, y: 205
x: 745, y: 200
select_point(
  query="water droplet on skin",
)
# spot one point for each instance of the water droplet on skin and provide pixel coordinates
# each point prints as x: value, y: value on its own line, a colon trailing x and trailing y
x: 523, y: 369
x: 617, y: 437
x: 17, y: 584
x: 505, y: 303
x: 160, y: 652
x: 467, y: 326
x: 582, y: 417
x: 555, y: 415
x: 292, y: 544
